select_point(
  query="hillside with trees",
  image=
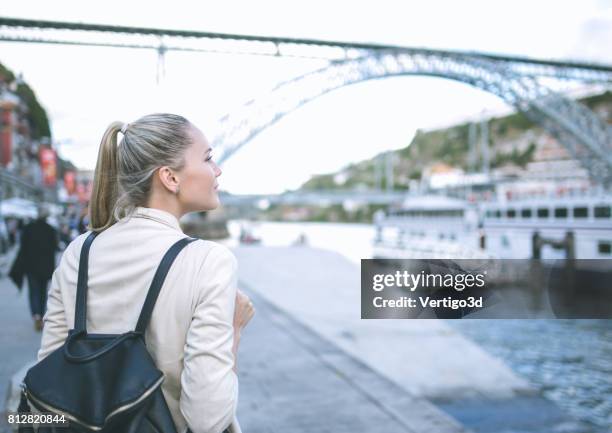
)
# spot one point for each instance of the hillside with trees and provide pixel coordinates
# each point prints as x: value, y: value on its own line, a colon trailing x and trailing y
x: 512, y: 139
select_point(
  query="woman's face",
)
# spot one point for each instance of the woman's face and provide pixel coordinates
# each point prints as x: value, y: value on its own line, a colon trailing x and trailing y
x: 198, y: 178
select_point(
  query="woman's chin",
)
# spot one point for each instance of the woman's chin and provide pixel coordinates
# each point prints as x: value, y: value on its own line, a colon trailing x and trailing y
x: 213, y: 203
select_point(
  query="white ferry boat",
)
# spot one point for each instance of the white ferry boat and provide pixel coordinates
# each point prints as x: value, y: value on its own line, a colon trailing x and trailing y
x: 428, y: 226
x: 509, y: 228
x: 442, y: 227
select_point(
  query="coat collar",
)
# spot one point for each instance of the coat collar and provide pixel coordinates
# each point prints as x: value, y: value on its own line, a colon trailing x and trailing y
x: 158, y: 215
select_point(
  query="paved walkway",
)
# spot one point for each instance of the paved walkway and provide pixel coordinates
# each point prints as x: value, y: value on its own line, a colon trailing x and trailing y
x: 428, y: 358
x: 294, y: 381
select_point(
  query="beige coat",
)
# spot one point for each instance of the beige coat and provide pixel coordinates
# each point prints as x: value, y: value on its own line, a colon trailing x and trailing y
x: 190, y: 334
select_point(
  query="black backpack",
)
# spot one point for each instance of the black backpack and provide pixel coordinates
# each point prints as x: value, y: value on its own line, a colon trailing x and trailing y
x: 102, y: 382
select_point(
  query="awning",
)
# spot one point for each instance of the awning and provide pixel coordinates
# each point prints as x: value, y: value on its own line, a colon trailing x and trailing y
x: 18, y: 207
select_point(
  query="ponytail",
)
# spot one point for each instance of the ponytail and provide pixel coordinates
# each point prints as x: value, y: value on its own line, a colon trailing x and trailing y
x: 105, y: 186
x: 124, y: 172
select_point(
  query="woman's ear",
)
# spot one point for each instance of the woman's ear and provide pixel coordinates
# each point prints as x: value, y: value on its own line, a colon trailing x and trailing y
x: 168, y: 179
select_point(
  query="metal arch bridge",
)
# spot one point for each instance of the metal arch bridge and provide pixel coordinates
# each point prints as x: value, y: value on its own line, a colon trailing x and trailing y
x: 517, y: 80
x: 586, y: 136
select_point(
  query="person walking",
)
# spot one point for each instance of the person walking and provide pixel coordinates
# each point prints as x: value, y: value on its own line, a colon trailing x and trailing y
x: 11, y: 226
x: 83, y: 220
x: 36, y: 261
x: 159, y: 170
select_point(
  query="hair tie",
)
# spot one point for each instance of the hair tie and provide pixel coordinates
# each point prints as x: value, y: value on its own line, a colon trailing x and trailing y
x: 124, y: 128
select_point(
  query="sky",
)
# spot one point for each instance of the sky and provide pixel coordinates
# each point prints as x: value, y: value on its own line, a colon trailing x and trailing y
x: 85, y: 88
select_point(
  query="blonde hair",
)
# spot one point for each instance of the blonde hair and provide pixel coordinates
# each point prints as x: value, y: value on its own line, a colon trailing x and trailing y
x: 122, y: 180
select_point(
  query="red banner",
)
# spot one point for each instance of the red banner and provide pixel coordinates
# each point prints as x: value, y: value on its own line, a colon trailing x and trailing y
x: 6, y: 138
x: 48, y: 165
x: 70, y: 182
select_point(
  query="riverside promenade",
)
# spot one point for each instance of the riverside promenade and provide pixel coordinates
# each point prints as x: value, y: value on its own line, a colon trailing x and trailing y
x: 298, y: 373
x: 439, y: 370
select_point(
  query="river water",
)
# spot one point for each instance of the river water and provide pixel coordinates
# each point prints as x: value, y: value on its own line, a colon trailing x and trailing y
x: 569, y: 360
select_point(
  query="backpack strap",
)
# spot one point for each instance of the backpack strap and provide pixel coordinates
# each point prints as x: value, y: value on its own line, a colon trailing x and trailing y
x: 158, y: 281
x: 81, y: 297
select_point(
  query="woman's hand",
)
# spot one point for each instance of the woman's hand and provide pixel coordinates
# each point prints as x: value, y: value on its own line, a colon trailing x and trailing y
x: 243, y: 311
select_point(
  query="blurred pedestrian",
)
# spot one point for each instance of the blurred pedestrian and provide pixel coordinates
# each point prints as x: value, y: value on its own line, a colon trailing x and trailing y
x: 64, y: 235
x: 21, y: 223
x: 11, y: 226
x: 36, y: 261
x: 84, y: 220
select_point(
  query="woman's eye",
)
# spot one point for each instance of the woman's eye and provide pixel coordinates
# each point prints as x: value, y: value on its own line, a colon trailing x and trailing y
x: 209, y: 158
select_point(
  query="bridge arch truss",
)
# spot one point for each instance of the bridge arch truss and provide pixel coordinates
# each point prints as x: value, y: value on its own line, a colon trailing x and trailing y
x: 587, y: 137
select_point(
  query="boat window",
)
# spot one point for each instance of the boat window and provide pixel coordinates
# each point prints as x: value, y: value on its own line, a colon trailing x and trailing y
x: 602, y: 212
x: 604, y: 247
x: 505, y: 241
x: 543, y: 212
x: 526, y: 213
x: 560, y: 212
x: 489, y: 214
x: 511, y: 213
x: 581, y: 212
x: 498, y: 214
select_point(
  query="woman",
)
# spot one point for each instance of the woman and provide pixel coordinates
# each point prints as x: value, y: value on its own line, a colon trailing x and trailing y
x: 161, y: 169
